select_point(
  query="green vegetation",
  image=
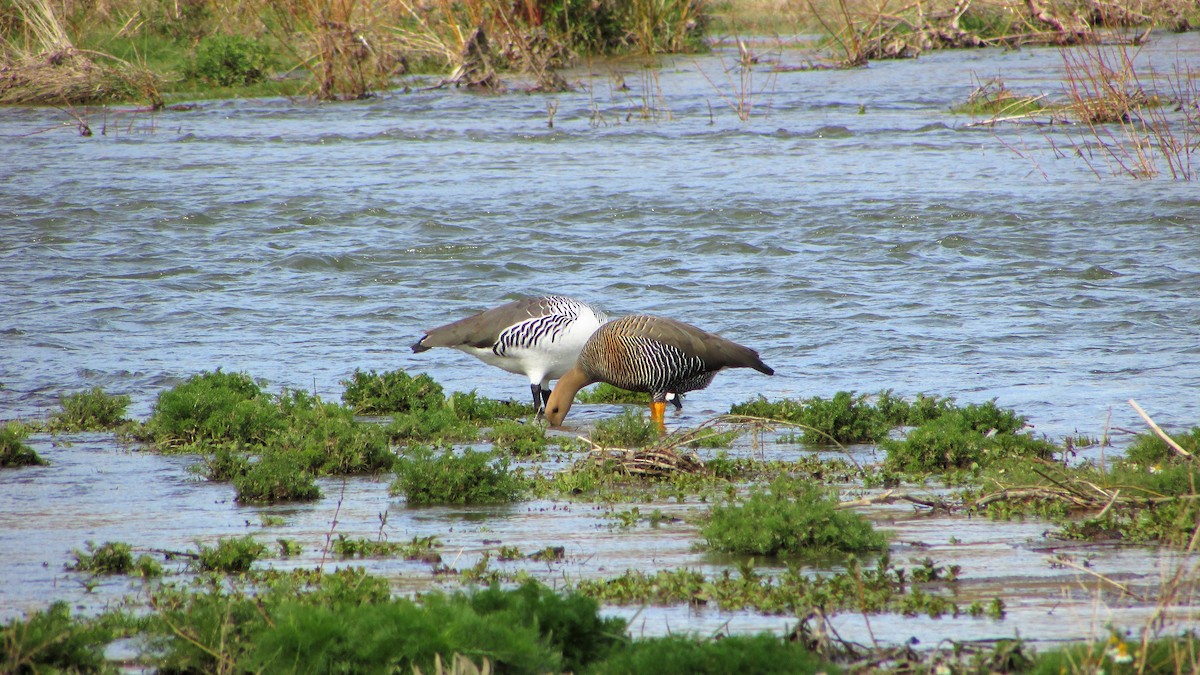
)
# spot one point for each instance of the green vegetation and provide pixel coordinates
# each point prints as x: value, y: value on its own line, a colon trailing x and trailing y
x: 396, y: 391
x: 965, y: 438
x: 114, y: 557
x: 792, y: 518
x: 630, y: 429
x: 229, y: 60
x: 216, y: 407
x: 845, y: 418
x: 519, y: 440
x: 456, y: 478
x: 883, y: 588
x: 230, y: 555
x: 54, y: 641
x: 420, y: 548
x: 89, y: 411
x: 13, y: 451
x: 607, y: 393
x: 762, y: 653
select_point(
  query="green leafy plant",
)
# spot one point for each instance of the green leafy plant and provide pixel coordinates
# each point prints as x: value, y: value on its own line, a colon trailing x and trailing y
x: 630, y: 429
x: 467, y: 478
x: 13, y: 451
x: 89, y: 410
x: 791, y: 518
x: 229, y: 60
x: 213, y: 406
x: 370, y: 393
x: 230, y: 555
x: 51, y: 640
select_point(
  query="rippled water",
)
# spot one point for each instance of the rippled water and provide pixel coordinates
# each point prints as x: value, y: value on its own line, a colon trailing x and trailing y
x: 854, y: 231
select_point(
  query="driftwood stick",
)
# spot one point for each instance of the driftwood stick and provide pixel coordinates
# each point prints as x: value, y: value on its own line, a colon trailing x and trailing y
x: 1161, y: 434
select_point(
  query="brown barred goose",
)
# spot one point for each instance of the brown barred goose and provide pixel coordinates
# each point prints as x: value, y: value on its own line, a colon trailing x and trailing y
x: 539, y: 337
x: 652, y: 354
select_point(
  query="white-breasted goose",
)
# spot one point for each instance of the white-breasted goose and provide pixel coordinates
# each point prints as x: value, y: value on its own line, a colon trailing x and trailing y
x: 539, y: 337
x: 652, y: 354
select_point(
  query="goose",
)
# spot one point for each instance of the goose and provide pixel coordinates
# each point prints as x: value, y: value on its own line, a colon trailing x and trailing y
x: 538, y: 337
x: 652, y: 354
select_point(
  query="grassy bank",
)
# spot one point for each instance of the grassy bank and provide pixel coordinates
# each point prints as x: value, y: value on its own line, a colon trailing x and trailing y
x: 156, y: 51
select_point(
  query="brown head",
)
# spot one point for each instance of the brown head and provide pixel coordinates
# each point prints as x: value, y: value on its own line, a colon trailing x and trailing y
x: 559, y: 403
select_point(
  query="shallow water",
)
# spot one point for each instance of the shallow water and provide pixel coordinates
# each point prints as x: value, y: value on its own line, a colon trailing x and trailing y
x: 853, y: 230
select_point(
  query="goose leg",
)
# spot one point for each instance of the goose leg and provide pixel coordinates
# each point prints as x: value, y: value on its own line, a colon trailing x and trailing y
x: 539, y: 396
x: 658, y: 413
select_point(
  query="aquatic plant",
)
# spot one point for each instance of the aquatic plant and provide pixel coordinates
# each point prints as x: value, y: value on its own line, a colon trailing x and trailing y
x: 760, y: 653
x: 277, y: 476
x: 471, y: 406
x: 13, y: 451
x: 437, y: 426
x: 1179, y: 654
x: 213, y: 406
x: 607, y: 393
x: 396, y: 391
x: 89, y: 410
x: 328, y: 439
x: 468, y: 477
x: 517, y: 439
x: 349, y: 623
x: 846, y: 418
x: 968, y: 437
x: 231, y: 555
x: 51, y: 640
x: 114, y: 557
x: 630, y: 429
x: 418, y: 548
x: 791, y: 518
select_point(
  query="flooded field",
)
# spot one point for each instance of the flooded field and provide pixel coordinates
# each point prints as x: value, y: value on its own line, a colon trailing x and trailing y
x: 853, y: 230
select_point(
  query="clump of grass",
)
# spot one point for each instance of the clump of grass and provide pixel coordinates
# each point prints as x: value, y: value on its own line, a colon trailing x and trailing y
x: 419, y: 547
x: 517, y: 439
x: 467, y: 478
x: 51, y: 640
x: 761, y: 653
x: 114, y: 557
x: 789, y: 519
x: 846, y: 418
x: 327, y: 438
x: 439, y: 426
x: 230, y: 555
x: 970, y: 437
x: 607, y: 393
x: 89, y: 410
x: 396, y: 391
x: 229, y: 60
x: 1116, y: 655
x: 995, y: 100
x: 13, y: 451
x: 349, y: 622
x: 213, y: 406
x: 471, y: 406
x: 276, y: 477
x: 630, y: 429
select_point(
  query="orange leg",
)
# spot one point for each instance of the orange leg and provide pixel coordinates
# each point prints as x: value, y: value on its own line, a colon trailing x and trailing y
x: 658, y: 413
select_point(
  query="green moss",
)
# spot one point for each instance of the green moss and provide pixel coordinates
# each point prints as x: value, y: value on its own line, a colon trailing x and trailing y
x: 464, y: 478
x: 13, y: 452
x: 89, y: 410
x: 791, y: 518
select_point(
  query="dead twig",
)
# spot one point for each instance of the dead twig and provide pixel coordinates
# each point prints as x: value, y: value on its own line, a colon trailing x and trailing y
x: 1157, y: 430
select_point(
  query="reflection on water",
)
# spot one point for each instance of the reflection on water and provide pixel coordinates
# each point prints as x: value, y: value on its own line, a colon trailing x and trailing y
x: 855, y: 232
